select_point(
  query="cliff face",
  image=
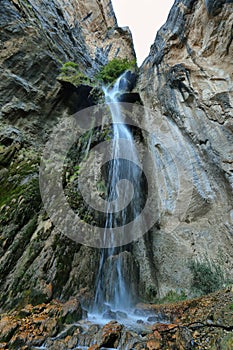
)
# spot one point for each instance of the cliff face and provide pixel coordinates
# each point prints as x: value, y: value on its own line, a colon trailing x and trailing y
x: 37, y: 38
x: 188, y: 79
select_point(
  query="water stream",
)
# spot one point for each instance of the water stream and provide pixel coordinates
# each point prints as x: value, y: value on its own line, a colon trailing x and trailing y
x: 114, y: 290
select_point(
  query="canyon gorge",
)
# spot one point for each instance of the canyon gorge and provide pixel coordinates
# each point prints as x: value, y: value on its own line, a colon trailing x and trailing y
x: 52, y: 53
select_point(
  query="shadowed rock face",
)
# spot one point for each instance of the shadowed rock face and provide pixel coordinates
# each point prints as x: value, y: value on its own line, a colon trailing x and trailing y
x: 214, y: 7
x: 188, y: 79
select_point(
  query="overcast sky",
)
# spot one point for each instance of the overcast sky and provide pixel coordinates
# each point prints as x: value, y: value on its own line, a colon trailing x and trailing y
x: 144, y: 18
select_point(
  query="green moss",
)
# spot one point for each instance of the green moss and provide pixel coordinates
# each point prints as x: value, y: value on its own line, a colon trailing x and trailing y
x: 75, y: 174
x: 20, y: 203
x: 70, y: 73
x: 101, y: 187
x: 64, y: 250
x: 32, y: 296
x: 111, y: 71
x: 17, y: 180
x: 69, y: 66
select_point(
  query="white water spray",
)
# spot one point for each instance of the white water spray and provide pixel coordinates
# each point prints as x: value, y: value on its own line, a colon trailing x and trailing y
x: 113, y: 282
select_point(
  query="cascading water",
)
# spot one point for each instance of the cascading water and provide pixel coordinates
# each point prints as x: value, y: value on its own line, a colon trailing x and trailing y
x: 113, y: 282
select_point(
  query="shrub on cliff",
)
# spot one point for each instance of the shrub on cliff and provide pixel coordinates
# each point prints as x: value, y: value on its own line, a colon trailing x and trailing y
x: 113, y: 69
x: 207, y: 277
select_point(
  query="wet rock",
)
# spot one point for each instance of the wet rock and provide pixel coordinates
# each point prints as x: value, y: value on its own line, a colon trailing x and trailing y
x: 57, y: 345
x: 110, y: 335
x: 90, y: 335
x: 11, y: 109
x: 142, y: 312
x: 94, y: 347
x: 152, y: 319
x: 127, y: 84
x: 140, y: 321
x: 71, y: 311
x: 192, y: 329
x: 121, y: 315
x: 129, y: 275
x: 130, y: 97
x: 110, y: 315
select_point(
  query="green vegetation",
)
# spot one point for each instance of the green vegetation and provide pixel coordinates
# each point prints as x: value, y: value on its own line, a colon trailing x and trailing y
x: 101, y: 187
x: 69, y: 66
x: 113, y: 69
x: 70, y: 73
x: 171, y: 297
x: 33, y: 296
x: 207, y: 277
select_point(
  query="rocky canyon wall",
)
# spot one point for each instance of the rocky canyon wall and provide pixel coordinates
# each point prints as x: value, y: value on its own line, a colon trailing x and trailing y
x: 186, y: 79
x: 37, y: 38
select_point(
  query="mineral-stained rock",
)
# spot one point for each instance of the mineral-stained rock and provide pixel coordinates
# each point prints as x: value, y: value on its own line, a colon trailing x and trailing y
x: 31, y: 326
x: 110, y: 335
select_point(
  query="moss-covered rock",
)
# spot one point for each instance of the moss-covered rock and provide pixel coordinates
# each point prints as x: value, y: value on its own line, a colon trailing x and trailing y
x: 71, y: 74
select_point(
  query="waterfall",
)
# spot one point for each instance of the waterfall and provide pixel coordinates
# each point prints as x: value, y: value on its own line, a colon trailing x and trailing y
x: 115, y: 276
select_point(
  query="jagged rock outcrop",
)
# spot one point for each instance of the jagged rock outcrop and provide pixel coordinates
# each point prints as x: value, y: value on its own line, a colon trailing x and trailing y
x: 101, y: 32
x: 188, y: 79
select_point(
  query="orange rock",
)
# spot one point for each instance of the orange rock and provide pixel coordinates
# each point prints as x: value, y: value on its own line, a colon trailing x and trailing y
x: 94, y: 347
x: 163, y: 327
x: 111, y: 334
x: 153, y: 345
x: 8, y: 326
x: 157, y: 335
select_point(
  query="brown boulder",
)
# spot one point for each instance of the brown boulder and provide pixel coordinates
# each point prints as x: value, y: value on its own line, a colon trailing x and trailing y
x: 153, y: 345
x: 111, y: 334
x: 71, y: 311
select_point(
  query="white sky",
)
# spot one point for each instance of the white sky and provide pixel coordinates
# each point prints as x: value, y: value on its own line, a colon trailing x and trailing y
x: 144, y: 18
